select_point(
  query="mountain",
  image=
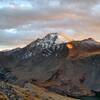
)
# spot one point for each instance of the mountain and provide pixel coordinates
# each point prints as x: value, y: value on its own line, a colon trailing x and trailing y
x: 67, y: 68
x: 84, y: 48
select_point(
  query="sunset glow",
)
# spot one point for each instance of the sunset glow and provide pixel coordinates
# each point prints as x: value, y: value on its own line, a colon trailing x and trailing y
x: 69, y: 45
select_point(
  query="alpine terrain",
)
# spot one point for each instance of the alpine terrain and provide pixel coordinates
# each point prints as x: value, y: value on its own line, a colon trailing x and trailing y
x: 52, y: 65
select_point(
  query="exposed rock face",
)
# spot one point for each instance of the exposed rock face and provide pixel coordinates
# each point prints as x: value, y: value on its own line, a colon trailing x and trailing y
x: 75, y: 71
x: 6, y: 75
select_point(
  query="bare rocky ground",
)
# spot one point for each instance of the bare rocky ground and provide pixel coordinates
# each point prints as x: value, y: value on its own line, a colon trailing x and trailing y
x: 29, y: 92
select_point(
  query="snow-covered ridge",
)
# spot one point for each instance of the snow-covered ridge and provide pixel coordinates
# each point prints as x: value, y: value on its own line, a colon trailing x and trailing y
x: 49, y: 40
x: 46, y: 46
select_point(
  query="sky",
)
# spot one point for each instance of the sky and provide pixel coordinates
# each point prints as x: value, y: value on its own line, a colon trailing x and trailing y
x: 23, y: 21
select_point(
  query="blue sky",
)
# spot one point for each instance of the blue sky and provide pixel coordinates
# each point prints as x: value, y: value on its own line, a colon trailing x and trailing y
x: 22, y: 21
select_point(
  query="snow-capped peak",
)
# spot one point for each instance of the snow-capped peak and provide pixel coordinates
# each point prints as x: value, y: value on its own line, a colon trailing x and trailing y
x: 47, y: 45
x: 50, y: 40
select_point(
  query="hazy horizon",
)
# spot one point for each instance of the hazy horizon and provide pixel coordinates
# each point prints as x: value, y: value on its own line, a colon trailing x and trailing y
x: 22, y: 21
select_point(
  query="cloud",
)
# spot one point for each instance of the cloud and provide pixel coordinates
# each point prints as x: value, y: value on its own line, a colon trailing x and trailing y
x: 96, y: 10
x: 22, y: 21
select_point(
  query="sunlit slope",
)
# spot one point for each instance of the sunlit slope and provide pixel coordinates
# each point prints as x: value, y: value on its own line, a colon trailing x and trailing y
x: 29, y: 92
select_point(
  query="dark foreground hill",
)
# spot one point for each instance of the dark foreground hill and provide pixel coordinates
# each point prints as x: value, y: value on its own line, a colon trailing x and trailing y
x: 71, y: 68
